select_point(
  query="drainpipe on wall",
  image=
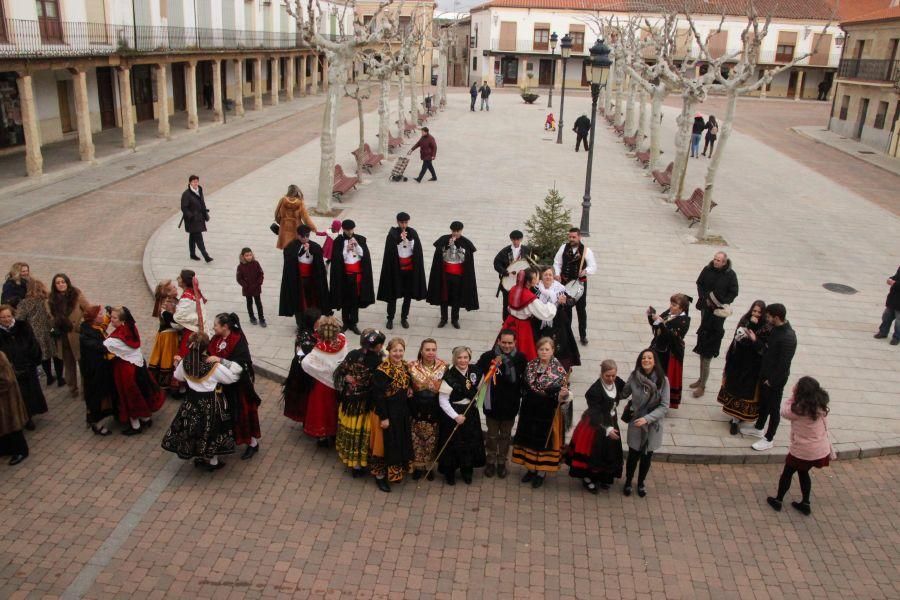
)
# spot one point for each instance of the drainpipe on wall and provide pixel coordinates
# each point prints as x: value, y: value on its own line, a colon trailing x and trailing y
x: 835, y: 95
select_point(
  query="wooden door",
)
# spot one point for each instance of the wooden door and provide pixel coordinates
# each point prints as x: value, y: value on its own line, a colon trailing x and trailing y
x: 861, y: 122
x: 48, y: 21
x: 792, y: 84
x: 545, y: 72
x: 510, y: 68
x: 179, y: 95
x: 65, y: 109
x: 142, y: 92
x: 106, y: 97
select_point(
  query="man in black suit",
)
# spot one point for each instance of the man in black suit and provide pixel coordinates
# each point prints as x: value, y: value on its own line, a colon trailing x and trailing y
x: 194, y: 215
x: 515, y: 251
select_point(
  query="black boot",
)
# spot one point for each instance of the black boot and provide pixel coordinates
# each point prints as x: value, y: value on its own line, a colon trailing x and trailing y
x: 383, y: 484
x: 48, y: 373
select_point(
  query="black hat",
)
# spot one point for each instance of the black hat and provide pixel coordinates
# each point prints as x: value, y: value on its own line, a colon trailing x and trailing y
x: 304, y: 230
x: 456, y: 226
x: 402, y: 216
x: 515, y: 234
x: 348, y: 224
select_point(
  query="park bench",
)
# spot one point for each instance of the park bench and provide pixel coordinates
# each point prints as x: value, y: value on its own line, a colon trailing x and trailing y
x: 620, y: 130
x: 601, y: 111
x: 369, y: 158
x: 630, y: 142
x: 664, y: 178
x: 692, y: 208
x: 394, y: 142
x: 421, y: 119
x: 407, y: 127
x: 342, y: 183
x: 443, y: 103
x: 643, y: 158
x: 611, y: 118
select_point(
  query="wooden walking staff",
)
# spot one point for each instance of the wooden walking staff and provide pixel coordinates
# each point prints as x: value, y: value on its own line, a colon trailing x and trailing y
x: 487, y: 377
x: 556, y: 410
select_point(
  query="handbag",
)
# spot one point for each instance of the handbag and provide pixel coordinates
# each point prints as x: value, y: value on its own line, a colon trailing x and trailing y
x: 275, y: 228
x: 627, y: 413
x: 723, y: 311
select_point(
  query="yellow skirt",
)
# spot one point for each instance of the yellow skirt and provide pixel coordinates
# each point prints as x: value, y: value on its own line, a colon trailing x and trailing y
x: 547, y: 460
x: 353, y: 441
x: 162, y: 357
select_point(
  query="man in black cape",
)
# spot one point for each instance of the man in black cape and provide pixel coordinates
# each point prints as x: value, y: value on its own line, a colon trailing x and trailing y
x: 402, y: 270
x: 303, y: 281
x: 515, y: 251
x: 351, y: 275
x: 452, y: 279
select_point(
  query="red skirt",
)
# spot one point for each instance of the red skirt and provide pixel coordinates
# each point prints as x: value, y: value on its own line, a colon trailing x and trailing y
x: 246, y: 422
x: 183, y: 344
x: 321, y: 411
x: 674, y: 373
x: 135, y: 401
x: 524, y: 336
x: 805, y: 465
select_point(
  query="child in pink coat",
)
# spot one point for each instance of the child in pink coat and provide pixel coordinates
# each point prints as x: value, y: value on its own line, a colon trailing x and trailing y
x: 807, y: 410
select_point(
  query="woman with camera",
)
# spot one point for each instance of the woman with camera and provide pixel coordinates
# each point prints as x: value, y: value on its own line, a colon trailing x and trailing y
x: 739, y: 394
x: 669, y: 329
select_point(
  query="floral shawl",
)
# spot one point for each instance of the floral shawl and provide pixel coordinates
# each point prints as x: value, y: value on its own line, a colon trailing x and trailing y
x: 427, y: 379
x: 546, y: 382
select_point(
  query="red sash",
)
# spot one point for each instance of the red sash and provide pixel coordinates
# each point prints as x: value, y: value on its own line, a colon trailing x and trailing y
x: 355, y: 269
x: 453, y: 268
x: 306, y: 269
x: 406, y: 263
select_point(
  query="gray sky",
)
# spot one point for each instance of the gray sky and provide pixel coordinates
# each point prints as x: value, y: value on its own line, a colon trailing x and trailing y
x: 457, y: 5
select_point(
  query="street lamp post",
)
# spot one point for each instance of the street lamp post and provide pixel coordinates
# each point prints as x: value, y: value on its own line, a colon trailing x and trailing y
x: 597, y: 71
x: 553, y: 39
x: 565, y: 48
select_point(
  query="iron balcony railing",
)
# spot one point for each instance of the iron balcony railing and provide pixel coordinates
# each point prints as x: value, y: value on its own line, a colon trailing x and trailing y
x: 48, y: 38
x: 870, y: 69
x: 532, y: 47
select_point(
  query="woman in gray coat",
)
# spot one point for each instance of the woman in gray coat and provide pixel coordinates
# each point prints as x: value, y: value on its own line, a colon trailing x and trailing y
x: 648, y: 388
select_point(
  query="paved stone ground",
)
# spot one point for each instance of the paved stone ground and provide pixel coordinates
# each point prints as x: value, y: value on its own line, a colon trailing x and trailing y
x: 117, y: 517
x: 494, y: 167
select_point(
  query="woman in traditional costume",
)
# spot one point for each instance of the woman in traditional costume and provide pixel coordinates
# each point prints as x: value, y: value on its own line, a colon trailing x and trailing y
x: 190, y: 312
x: 524, y: 305
x: 427, y: 373
x: 17, y: 341
x: 139, y: 396
x: 298, y: 383
x: 739, y: 394
x: 559, y: 329
x: 321, y: 417
x: 541, y: 433
x: 595, y: 452
x: 648, y: 389
x: 168, y: 336
x: 460, y: 429
x: 202, y: 428
x: 230, y: 342
x: 13, y: 415
x: 391, y: 444
x: 67, y: 305
x: 98, y: 385
x: 669, y: 329
x: 354, y: 379
x: 35, y: 309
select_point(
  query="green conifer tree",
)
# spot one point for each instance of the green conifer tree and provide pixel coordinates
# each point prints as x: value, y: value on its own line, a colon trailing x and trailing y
x: 548, y: 227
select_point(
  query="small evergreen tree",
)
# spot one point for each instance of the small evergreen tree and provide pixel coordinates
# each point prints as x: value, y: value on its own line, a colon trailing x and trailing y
x: 548, y: 227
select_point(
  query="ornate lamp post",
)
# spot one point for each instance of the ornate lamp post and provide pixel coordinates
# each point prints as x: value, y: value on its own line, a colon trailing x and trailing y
x: 597, y: 71
x: 565, y: 48
x: 553, y: 39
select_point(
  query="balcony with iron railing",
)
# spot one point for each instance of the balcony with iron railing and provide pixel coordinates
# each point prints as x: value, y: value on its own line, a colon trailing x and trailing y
x: 532, y: 47
x: 37, y: 39
x: 870, y: 69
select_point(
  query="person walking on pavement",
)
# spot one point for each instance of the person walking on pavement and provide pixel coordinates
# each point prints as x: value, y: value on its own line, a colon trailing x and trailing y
x: 712, y: 132
x: 485, y: 92
x: 194, y: 215
x: 773, y: 375
x: 717, y: 288
x: 427, y: 152
x: 582, y: 128
x: 473, y: 92
x: 696, y: 130
x: 891, y: 312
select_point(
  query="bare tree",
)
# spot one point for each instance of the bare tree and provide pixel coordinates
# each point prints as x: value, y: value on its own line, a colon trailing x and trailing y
x: 360, y: 94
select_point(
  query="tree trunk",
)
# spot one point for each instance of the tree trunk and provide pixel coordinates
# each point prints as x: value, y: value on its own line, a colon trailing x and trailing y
x: 642, y: 120
x: 401, y: 96
x: 328, y: 141
x: 610, y: 84
x: 620, y: 79
x: 682, y: 145
x: 413, y: 100
x: 362, y: 135
x: 384, y: 114
x: 629, y: 108
x: 442, y: 76
x: 713, y: 169
x: 656, y: 100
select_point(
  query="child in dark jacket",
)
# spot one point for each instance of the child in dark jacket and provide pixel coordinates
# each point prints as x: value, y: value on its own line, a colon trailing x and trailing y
x: 250, y: 277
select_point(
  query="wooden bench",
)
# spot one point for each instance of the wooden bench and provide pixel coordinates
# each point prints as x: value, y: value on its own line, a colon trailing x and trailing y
x: 369, y: 160
x: 664, y: 178
x: 611, y: 118
x: 643, y: 158
x: 408, y: 127
x: 692, y: 208
x: 443, y: 103
x: 394, y: 142
x: 630, y: 142
x: 342, y: 183
x: 601, y: 111
x: 421, y: 119
x: 619, y: 129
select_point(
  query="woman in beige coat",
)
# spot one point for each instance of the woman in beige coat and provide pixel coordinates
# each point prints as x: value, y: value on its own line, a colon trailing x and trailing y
x: 290, y: 214
x: 67, y: 306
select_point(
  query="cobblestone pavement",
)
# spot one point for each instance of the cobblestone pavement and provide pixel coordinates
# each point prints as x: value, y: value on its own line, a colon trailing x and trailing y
x: 117, y: 517
x: 493, y: 168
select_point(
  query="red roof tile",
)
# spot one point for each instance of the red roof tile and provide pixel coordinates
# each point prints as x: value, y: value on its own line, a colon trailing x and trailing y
x: 854, y: 11
x: 786, y: 9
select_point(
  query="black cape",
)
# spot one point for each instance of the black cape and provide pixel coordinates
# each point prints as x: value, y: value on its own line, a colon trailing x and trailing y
x: 436, y: 292
x: 504, y: 258
x: 289, y: 303
x: 97, y: 381
x: 389, y: 284
x: 23, y: 351
x: 367, y: 293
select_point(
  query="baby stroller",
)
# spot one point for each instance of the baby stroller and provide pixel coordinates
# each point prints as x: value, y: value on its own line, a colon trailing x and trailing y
x: 399, y: 169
